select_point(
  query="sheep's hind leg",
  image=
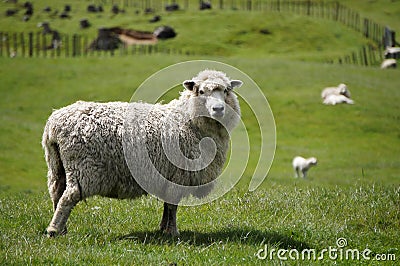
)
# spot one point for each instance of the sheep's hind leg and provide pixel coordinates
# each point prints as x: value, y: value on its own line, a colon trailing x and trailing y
x: 67, y: 202
x: 56, y: 189
x: 168, y: 221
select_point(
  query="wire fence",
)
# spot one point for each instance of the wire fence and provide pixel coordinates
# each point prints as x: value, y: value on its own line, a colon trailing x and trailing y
x: 367, y: 55
x: 38, y: 44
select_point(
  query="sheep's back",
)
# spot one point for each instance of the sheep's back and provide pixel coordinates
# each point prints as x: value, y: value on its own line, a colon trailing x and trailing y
x: 329, y: 91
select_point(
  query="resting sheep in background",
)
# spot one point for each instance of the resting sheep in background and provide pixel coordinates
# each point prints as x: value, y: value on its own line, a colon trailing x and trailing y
x: 339, y: 90
x: 335, y: 95
x: 84, y: 145
x: 301, y: 165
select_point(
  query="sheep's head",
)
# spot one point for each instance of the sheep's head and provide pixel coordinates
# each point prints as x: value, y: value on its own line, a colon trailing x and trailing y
x: 343, y: 90
x: 312, y: 161
x: 214, y: 90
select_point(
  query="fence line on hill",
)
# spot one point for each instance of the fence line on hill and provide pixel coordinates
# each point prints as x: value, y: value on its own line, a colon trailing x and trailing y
x: 37, y: 44
x: 367, y: 55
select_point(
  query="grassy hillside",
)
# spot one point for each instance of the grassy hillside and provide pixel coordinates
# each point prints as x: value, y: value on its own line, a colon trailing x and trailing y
x: 211, y: 32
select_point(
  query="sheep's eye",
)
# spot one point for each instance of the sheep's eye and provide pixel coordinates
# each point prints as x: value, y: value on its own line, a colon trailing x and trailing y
x: 225, y: 91
x: 201, y: 91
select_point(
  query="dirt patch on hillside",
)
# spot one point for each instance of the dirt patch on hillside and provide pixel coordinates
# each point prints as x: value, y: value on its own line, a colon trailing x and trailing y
x: 129, y: 40
x: 132, y: 37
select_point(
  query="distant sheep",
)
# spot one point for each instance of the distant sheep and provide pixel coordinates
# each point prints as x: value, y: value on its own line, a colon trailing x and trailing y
x: 336, y: 95
x: 389, y: 63
x: 339, y: 90
x: 205, y: 5
x: 83, y: 145
x: 334, y: 99
x: 302, y: 165
x: 392, y: 52
x: 172, y: 7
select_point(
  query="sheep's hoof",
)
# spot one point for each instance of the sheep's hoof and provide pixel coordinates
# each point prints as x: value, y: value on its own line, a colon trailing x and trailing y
x: 163, y: 227
x: 52, y: 232
x: 171, y: 231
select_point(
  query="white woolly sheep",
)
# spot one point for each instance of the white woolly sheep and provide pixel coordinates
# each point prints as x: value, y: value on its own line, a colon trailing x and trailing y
x: 392, y: 52
x: 334, y: 99
x: 389, y: 63
x: 301, y: 165
x: 339, y: 90
x: 84, y: 145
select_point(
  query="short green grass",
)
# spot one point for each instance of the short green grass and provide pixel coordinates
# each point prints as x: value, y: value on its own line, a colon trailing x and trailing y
x: 229, y: 231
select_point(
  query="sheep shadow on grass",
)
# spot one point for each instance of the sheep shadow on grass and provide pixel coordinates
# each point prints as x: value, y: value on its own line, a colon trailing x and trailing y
x: 229, y: 235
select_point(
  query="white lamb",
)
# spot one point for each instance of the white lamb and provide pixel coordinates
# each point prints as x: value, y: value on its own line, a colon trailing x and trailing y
x: 339, y: 90
x: 85, y: 152
x: 301, y: 165
x: 334, y: 99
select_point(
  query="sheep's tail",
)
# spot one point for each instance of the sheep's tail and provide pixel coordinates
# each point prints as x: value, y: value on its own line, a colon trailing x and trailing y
x: 56, y: 176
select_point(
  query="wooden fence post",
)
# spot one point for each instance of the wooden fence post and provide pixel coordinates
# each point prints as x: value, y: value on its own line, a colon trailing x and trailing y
x: 308, y: 8
x: 366, y: 28
x: 66, y: 45
x: 1, y: 44
x: 364, y: 54
x: 22, y: 41
x: 15, y: 42
x: 354, y: 58
x: 44, y: 48
x: 336, y: 14
x: 30, y: 44
x: 6, y: 39
x: 37, y: 44
x: 372, y: 57
x: 74, y: 45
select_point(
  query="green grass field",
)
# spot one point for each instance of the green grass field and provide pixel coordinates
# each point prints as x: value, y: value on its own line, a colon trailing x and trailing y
x: 353, y: 193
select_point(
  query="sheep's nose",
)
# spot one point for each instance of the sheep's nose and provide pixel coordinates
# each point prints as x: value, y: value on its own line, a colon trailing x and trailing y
x: 218, y: 108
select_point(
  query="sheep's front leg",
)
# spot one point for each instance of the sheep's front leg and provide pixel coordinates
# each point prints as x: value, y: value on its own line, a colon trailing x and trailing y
x: 67, y: 202
x: 164, y: 220
x: 168, y: 221
x: 304, y: 171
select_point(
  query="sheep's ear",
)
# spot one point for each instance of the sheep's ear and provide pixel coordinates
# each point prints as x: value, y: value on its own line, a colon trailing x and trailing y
x: 189, y: 84
x: 236, y: 84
